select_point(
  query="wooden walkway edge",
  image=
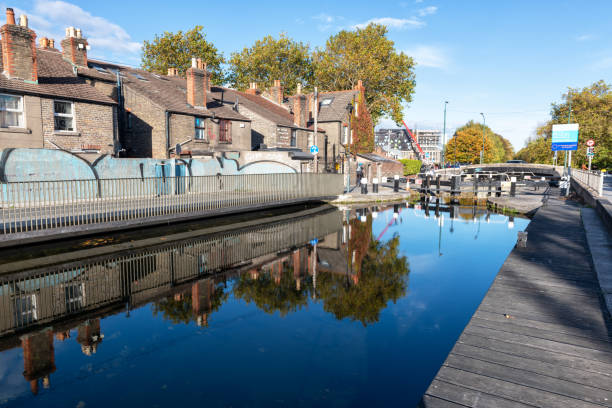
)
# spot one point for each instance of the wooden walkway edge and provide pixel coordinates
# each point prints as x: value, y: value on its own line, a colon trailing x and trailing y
x: 542, y: 336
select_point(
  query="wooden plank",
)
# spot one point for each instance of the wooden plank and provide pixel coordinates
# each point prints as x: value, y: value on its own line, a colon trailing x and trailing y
x: 551, y: 326
x: 429, y: 401
x: 509, y: 390
x: 570, y: 349
x: 571, y: 374
x: 529, y: 379
x: 537, y: 354
x: 468, y: 397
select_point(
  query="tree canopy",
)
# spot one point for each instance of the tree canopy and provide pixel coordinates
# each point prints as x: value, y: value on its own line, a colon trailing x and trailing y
x: 270, y: 59
x: 367, y: 54
x: 175, y: 50
x: 466, y: 144
x: 592, y: 110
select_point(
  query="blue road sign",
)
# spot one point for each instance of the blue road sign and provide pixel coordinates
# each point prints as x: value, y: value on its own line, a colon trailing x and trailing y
x: 565, y: 137
x: 314, y: 149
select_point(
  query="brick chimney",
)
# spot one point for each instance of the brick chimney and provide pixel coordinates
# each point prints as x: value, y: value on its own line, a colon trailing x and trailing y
x: 196, y: 83
x: 74, y: 47
x: 172, y: 71
x: 18, y: 49
x: 300, y: 108
x: 276, y: 92
x: 252, y: 89
x: 359, y: 87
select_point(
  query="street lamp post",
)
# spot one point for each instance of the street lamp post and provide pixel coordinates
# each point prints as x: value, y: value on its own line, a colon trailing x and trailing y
x: 483, y: 138
x: 444, y: 139
x: 349, y: 108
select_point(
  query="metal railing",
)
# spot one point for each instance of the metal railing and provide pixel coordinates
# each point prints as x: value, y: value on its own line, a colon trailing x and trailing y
x: 591, y: 179
x: 44, y: 295
x: 47, y: 205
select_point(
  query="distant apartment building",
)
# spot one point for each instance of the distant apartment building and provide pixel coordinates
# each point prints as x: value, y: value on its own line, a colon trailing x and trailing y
x: 431, y: 143
x: 396, y: 143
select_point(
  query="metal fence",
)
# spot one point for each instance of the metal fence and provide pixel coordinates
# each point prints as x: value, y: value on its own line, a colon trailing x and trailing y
x: 592, y: 179
x: 45, y: 205
x: 42, y: 296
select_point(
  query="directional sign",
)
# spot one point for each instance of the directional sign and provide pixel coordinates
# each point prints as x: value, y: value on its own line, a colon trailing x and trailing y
x: 314, y: 149
x: 590, y: 151
x: 565, y: 137
x: 590, y: 143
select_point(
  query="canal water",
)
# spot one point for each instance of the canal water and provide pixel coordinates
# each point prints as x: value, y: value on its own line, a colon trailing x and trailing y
x: 320, y: 307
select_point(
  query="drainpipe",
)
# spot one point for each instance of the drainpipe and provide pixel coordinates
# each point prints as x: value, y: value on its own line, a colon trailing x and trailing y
x: 168, y: 133
x: 120, y: 112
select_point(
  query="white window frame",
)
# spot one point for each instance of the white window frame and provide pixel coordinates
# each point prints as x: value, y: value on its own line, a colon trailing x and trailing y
x: 196, y: 127
x: 22, y: 125
x: 73, y: 116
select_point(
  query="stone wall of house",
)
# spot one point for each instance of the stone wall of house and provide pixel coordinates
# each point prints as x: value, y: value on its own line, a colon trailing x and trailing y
x: 147, y: 135
x: 32, y: 134
x: 95, y: 127
x: 182, y: 128
x: 107, y: 88
x: 262, y: 130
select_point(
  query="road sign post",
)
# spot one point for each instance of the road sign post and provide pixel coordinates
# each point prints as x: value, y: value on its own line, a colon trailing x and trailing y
x: 565, y: 137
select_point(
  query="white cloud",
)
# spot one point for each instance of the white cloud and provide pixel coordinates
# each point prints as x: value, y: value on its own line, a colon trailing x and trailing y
x: 50, y: 18
x: 326, y: 21
x: 392, y: 22
x: 585, y: 37
x: 429, y: 56
x: 427, y: 11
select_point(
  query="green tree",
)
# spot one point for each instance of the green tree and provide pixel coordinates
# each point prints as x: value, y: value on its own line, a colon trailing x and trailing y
x: 363, y: 127
x: 175, y: 50
x: 382, y: 278
x: 467, y: 143
x: 367, y: 54
x: 271, y: 59
x: 271, y: 296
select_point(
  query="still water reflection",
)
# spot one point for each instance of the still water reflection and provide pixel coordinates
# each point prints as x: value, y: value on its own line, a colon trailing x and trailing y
x: 356, y: 307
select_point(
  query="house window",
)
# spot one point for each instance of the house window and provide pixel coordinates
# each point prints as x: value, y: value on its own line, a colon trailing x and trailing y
x: 64, y: 116
x: 25, y: 310
x: 327, y: 101
x: 225, y: 131
x: 293, y: 140
x: 200, y: 127
x: 11, y: 111
x: 74, y: 296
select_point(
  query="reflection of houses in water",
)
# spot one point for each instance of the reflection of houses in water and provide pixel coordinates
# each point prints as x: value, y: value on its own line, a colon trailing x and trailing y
x: 68, y: 295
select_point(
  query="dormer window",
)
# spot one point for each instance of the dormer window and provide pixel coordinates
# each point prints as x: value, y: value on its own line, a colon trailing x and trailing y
x: 137, y: 75
x: 99, y: 68
x: 11, y: 111
x: 327, y: 101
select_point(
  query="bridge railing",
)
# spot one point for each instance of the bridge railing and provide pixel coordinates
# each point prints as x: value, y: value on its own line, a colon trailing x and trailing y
x: 46, y: 205
x: 592, y: 179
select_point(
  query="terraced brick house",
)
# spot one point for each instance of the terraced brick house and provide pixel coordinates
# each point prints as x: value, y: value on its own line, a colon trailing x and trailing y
x: 43, y: 104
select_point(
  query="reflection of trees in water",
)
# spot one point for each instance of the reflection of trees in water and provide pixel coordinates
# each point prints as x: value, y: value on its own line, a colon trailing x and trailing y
x: 273, y: 293
x: 180, y: 307
x: 381, y: 279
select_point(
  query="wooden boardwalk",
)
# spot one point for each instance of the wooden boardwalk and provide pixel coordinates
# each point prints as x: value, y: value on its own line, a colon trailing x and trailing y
x: 542, y: 336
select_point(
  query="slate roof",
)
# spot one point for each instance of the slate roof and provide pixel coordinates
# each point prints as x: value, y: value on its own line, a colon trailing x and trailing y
x: 55, y: 79
x: 257, y: 104
x: 168, y: 92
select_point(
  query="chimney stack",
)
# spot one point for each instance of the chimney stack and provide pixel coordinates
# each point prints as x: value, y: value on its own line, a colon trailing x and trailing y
x: 300, y: 110
x: 276, y: 92
x: 18, y: 49
x: 252, y: 89
x: 74, y: 47
x: 51, y: 43
x: 196, y: 83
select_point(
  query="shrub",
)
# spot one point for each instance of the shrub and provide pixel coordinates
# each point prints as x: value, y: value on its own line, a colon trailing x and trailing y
x: 411, y: 166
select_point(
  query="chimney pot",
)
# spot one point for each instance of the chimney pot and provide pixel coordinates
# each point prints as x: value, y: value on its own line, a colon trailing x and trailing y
x: 23, y: 20
x: 172, y: 71
x: 78, y: 33
x: 299, y: 88
x: 194, y: 62
x: 44, y: 42
x: 10, y: 16
x: 51, y: 43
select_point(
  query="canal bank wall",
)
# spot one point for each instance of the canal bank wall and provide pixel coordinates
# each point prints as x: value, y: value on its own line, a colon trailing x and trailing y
x: 541, y: 336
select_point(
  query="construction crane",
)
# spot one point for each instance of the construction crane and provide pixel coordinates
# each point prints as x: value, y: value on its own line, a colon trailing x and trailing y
x: 422, y: 153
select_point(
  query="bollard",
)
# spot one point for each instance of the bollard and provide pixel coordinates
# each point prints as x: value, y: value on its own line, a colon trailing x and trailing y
x: 374, y: 212
x: 438, y: 185
x: 396, y: 211
x: 396, y: 183
x: 375, y: 185
x: 364, y: 186
x: 512, y: 186
x: 490, y: 183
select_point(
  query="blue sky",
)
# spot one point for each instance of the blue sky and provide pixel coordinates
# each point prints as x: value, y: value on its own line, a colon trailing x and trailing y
x: 507, y: 58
